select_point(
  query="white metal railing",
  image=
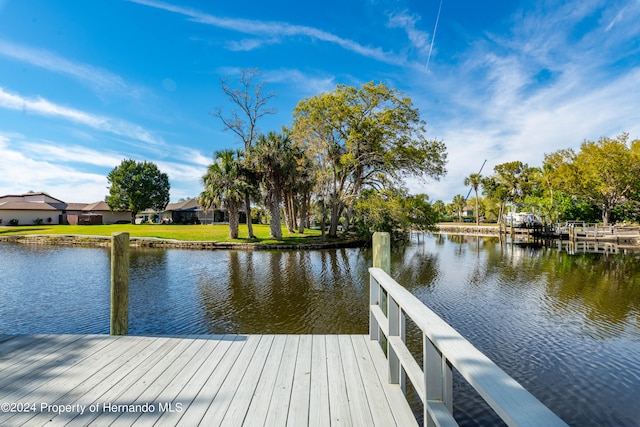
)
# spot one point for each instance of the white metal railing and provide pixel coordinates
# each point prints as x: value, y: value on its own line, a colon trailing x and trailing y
x: 596, y: 231
x: 444, y: 349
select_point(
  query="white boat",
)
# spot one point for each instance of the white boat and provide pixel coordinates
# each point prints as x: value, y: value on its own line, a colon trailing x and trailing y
x: 522, y: 220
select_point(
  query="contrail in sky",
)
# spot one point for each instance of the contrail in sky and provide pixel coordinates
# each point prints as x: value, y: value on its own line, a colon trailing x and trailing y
x: 433, y: 39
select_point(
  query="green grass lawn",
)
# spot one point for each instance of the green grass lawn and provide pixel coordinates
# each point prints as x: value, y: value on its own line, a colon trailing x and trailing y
x: 217, y: 232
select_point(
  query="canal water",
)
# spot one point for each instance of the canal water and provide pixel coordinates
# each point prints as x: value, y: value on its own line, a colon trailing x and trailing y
x: 566, y: 326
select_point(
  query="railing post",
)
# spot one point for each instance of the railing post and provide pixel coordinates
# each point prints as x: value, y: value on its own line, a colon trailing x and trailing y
x: 394, y: 331
x: 381, y: 259
x: 375, y: 295
x: 397, y: 328
x: 438, y: 379
x: 119, y: 284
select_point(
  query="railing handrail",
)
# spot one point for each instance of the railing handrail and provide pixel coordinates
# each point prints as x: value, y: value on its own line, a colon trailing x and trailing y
x: 512, y: 403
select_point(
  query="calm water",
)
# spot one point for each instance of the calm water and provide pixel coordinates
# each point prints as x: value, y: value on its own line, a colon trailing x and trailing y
x: 567, y: 327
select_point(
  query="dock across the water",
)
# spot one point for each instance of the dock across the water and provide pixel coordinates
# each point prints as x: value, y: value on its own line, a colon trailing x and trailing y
x: 578, y: 231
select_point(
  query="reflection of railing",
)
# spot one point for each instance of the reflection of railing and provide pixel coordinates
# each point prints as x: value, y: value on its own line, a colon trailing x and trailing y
x: 443, y: 349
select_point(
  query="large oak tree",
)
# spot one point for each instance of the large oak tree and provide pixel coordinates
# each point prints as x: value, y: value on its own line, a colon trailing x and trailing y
x: 371, y: 136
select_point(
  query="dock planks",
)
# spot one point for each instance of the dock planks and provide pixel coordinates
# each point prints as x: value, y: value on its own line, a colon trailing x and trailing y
x: 209, y: 380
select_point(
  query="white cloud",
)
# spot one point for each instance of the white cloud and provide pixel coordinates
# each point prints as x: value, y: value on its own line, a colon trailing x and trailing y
x: 249, y: 44
x: 181, y: 171
x: 498, y: 109
x: 20, y: 173
x: 192, y: 156
x: 276, y: 30
x: 532, y: 127
x: 65, y: 153
x: 61, y: 170
x: 44, y: 107
x: 419, y: 39
x: 304, y: 83
x: 96, y: 78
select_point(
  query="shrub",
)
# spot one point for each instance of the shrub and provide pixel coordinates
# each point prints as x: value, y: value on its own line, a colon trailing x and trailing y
x: 38, y: 221
x: 14, y: 221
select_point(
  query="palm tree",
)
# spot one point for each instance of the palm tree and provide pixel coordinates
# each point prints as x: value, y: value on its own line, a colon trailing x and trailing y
x: 271, y: 157
x: 474, y: 180
x: 494, y: 189
x: 252, y: 192
x: 458, y: 204
x: 299, y: 182
x: 224, y: 186
x: 439, y: 208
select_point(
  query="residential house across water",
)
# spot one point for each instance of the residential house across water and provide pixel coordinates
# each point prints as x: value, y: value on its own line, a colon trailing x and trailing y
x: 41, y: 208
x: 185, y: 212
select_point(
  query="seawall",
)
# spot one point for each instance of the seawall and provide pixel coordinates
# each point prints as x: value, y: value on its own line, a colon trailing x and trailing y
x: 152, y: 242
x: 485, y: 230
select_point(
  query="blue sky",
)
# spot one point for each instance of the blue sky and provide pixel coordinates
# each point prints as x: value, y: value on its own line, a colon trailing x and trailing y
x: 85, y: 84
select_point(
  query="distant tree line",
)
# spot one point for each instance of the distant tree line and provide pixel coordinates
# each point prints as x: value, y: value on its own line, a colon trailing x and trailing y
x: 598, y: 182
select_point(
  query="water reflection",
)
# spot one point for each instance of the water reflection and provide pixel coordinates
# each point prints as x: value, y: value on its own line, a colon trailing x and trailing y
x: 287, y: 292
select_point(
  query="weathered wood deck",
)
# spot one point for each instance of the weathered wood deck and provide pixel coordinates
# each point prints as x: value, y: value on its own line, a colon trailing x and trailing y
x: 266, y: 380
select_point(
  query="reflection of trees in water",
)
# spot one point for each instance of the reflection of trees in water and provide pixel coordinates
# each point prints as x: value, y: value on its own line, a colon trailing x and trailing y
x: 148, y: 261
x: 414, y: 268
x: 342, y: 287
x: 327, y: 291
x: 605, y: 288
x: 284, y: 292
x: 607, y: 285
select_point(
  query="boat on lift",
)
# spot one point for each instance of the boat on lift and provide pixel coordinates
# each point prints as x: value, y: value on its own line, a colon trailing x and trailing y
x: 522, y: 220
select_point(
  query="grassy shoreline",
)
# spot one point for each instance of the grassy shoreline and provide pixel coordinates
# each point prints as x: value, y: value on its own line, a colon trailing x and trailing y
x: 195, y: 233
x: 216, y: 232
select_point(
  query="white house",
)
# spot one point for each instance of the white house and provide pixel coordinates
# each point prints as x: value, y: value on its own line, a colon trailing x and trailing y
x: 41, y: 208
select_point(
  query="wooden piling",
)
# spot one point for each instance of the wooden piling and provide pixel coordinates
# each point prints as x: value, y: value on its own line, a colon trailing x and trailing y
x: 119, y: 284
x: 382, y: 251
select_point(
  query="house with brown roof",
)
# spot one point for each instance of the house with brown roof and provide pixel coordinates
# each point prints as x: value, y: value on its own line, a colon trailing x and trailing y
x: 41, y: 208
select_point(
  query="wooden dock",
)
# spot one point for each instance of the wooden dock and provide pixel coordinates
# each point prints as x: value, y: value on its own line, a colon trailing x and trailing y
x: 230, y: 380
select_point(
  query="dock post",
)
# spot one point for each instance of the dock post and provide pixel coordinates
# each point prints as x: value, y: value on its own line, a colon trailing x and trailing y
x: 382, y: 251
x: 119, y: 284
x: 381, y: 259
